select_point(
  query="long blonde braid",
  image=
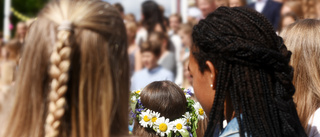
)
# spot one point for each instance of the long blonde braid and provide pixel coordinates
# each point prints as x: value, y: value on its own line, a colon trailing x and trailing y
x: 60, y: 64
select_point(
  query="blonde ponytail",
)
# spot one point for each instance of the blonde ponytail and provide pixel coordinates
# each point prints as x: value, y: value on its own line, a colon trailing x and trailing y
x: 60, y: 64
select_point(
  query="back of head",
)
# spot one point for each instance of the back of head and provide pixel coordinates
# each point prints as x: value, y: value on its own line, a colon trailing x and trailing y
x: 152, y: 15
x: 151, y: 47
x: 163, y: 97
x: 13, y: 47
x: 252, y: 68
x: 66, y: 84
x: 302, y: 39
x: 158, y: 38
x: 119, y: 7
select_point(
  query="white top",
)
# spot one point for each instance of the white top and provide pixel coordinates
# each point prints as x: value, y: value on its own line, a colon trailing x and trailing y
x: 314, y: 124
x: 141, y: 36
x: 260, y: 4
x: 176, y: 41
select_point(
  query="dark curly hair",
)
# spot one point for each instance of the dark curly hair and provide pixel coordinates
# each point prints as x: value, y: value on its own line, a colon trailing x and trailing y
x: 253, y: 68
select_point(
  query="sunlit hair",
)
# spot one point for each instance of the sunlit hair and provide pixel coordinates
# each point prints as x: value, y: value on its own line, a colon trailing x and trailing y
x: 302, y: 39
x: 66, y: 84
x: 13, y: 47
x: 186, y: 28
x: 132, y: 27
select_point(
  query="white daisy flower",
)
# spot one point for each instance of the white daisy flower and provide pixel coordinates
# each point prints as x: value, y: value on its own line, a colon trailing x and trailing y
x: 199, y: 111
x: 179, y: 125
x: 187, y: 116
x: 163, y: 126
x: 133, y: 98
x: 155, y: 116
x: 146, y: 118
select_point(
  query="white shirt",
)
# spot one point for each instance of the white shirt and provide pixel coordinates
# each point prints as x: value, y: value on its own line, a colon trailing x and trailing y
x: 314, y: 124
x: 260, y: 4
x: 141, y: 36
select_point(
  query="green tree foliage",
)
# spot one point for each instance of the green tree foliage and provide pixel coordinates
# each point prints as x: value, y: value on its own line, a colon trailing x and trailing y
x: 29, y: 8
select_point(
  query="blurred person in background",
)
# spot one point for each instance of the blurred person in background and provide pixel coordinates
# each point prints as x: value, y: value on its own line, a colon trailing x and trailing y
x: 286, y: 20
x: 206, y: 7
x: 302, y: 39
x: 194, y: 15
x: 12, y: 50
x: 270, y: 9
x: 150, y: 54
x: 175, y: 21
x: 294, y: 7
x: 152, y: 20
x: 130, y: 18
x: 1, y: 39
x: 237, y: 3
x: 220, y: 3
x: 309, y: 8
x: 167, y: 58
x: 74, y: 76
x: 185, y: 32
x: 21, y: 31
x: 133, y: 49
x: 187, y: 79
x: 120, y: 8
x: 318, y: 9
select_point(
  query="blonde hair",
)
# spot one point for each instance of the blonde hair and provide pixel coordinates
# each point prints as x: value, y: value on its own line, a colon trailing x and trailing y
x: 186, y: 28
x: 302, y: 39
x: 79, y: 93
x: 132, y: 27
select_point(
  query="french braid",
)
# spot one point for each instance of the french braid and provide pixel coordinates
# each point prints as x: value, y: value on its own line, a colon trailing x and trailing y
x: 60, y: 63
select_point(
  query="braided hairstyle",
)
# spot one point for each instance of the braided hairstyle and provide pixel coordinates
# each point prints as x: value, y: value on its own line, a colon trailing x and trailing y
x: 252, y: 64
x: 66, y: 84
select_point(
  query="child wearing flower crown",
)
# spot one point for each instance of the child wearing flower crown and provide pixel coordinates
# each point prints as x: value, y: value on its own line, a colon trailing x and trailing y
x: 163, y: 109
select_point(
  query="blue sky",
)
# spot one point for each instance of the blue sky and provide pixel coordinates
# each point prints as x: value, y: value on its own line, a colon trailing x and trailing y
x: 134, y: 6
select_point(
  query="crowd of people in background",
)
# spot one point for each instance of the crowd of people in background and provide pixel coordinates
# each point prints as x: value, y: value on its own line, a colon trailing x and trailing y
x: 175, y: 35
x: 162, y: 48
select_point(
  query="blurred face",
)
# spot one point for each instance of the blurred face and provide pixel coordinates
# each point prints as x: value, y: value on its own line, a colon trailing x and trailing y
x: 206, y: 7
x: 220, y: 3
x: 130, y: 33
x: 285, y: 9
x: 149, y: 60
x: 185, y: 39
x: 201, y: 84
x: 21, y: 30
x: 287, y: 21
x: 235, y: 3
x: 318, y: 10
x: 174, y: 23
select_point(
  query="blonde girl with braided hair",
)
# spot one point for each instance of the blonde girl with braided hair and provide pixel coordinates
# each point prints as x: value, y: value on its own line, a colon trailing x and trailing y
x: 74, y: 75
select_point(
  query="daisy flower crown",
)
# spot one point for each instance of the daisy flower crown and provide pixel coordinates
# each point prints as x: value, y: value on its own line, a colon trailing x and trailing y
x: 185, y: 126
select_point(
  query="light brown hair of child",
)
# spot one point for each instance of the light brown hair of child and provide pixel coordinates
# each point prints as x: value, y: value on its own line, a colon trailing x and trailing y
x: 73, y: 80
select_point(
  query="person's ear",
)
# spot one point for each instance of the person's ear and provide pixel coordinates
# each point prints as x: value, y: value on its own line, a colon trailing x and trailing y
x: 212, y: 71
